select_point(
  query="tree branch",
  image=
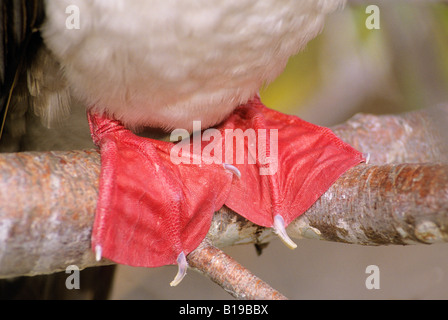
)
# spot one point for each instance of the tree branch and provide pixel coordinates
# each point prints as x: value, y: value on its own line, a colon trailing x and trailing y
x: 230, y: 275
x: 49, y: 199
x: 368, y: 205
x: 413, y: 137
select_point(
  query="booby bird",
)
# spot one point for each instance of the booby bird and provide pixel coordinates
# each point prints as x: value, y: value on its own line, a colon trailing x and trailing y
x: 185, y: 66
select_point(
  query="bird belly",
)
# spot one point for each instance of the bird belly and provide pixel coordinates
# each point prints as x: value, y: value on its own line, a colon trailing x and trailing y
x: 166, y: 63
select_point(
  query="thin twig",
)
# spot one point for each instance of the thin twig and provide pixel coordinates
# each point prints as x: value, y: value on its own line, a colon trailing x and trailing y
x: 230, y: 275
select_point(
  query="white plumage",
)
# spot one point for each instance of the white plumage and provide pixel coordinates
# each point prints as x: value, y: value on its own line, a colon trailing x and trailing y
x: 165, y: 63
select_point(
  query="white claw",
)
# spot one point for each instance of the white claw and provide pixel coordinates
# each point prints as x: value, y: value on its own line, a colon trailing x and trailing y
x: 280, y: 230
x: 367, y: 157
x: 232, y: 169
x: 98, y: 252
x: 182, y: 271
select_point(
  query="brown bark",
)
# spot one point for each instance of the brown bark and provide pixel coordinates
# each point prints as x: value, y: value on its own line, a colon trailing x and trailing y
x: 381, y: 205
x: 368, y: 205
x: 414, y: 137
x: 48, y: 202
x: 230, y: 275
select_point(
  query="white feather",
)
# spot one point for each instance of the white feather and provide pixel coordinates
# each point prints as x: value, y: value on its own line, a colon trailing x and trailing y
x: 165, y: 63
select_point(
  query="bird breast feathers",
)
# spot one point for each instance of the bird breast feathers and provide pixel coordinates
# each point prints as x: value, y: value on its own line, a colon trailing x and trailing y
x: 165, y: 63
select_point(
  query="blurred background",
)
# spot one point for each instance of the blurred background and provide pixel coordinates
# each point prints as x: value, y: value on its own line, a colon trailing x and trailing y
x: 348, y: 69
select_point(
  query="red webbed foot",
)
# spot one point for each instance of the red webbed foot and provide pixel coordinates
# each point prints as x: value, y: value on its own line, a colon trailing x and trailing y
x: 151, y: 212
x: 288, y: 165
x: 157, y: 198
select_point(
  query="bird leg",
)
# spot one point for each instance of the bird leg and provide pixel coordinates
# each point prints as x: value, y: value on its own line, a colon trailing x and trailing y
x: 154, y: 208
x: 150, y: 211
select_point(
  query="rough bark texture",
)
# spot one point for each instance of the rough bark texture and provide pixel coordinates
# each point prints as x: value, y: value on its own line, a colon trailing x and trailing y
x: 414, y: 137
x: 401, y: 197
x: 381, y: 205
x: 230, y: 275
x: 48, y: 204
x: 368, y: 205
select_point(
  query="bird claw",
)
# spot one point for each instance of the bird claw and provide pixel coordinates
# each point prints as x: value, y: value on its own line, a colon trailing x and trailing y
x: 98, y: 252
x: 232, y: 169
x: 182, y: 271
x: 280, y: 230
x: 366, y: 157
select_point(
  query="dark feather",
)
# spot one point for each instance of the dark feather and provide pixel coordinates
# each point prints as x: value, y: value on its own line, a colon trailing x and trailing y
x: 20, y: 39
x: 29, y: 78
